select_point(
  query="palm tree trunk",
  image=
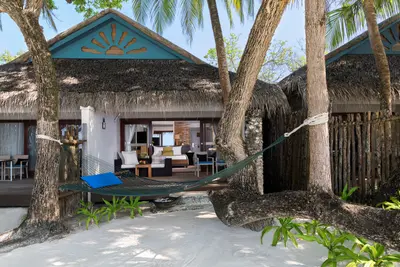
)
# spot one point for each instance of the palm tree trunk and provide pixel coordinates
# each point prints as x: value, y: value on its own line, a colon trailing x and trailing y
x: 220, y: 47
x: 229, y: 138
x: 378, y: 49
x: 317, y: 97
x: 44, y: 208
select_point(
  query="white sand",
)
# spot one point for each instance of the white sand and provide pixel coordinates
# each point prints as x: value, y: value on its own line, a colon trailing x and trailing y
x: 11, y: 218
x: 185, y: 238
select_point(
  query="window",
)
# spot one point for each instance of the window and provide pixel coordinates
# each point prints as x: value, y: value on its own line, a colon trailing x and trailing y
x: 11, y: 139
x: 136, y: 135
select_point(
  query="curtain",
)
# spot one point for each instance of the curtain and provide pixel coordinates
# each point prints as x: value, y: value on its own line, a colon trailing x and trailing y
x: 11, y: 139
x: 130, y: 131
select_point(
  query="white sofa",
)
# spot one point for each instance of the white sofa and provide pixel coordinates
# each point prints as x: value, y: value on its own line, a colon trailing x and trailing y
x: 178, y: 159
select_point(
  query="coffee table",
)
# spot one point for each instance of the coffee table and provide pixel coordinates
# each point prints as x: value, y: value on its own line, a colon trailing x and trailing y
x: 143, y: 166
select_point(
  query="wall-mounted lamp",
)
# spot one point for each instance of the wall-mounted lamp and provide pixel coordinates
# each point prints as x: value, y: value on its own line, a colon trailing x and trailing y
x: 103, y: 124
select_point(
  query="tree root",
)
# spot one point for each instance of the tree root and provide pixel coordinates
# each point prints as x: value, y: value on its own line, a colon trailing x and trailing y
x: 31, y: 233
x: 375, y: 224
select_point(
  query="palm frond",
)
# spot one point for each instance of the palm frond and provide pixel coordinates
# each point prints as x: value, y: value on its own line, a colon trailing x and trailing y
x: 191, y: 16
x: 1, y: 25
x: 238, y: 4
x: 349, y: 19
x: 163, y: 14
x: 344, y: 22
x: 387, y: 8
x: 250, y: 8
x: 229, y: 11
x: 47, y: 13
x: 141, y: 10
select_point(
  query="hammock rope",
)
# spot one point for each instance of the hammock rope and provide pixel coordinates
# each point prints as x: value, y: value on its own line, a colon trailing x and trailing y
x: 138, y: 186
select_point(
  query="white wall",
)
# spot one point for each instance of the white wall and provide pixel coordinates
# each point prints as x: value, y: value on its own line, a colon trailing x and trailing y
x: 101, y: 143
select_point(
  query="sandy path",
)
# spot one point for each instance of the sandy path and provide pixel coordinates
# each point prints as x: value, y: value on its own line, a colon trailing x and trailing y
x: 186, y: 238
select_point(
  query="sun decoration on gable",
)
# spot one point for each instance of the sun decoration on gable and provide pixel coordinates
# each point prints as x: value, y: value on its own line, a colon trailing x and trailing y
x: 113, y: 48
x: 391, y: 38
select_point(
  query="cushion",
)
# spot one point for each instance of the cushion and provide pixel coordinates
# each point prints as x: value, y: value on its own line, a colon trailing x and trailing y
x: 101, y: 180
x: 167, y: 149
x: 167, y: 153
x: 130, y: 157
x: 157, y: 150
x: 177, y: 150
x: 157, y: 165
x: 128, y: 166
x: 157, y: 159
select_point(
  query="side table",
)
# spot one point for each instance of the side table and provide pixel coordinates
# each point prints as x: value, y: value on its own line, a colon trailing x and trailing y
x: 143, y: 166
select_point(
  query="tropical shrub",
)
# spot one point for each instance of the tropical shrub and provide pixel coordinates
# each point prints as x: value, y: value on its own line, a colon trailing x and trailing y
x: 89, y: 214
x: 133, y: 205
x: 283, y: 231
x: 346, y: 193
x: 113, y: 207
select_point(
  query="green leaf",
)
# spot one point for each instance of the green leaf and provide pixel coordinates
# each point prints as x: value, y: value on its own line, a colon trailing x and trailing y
x: 266, y: 230
x: 276, y: 237
x: 351, y: 264
x: 328, y: 262
x: 293, y: 238
x: 307, y: 237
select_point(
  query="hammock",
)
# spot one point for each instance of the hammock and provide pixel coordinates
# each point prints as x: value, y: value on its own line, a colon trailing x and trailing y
x: 138, y: 186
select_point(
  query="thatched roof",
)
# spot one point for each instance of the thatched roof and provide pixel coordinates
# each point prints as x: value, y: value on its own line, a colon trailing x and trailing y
x: 128, y: 85
x: 26, y: 56
x: 351, y: 79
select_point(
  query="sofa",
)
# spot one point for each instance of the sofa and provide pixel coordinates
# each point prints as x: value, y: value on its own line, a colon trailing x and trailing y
x: 162, y: 168
x: 178, y: 158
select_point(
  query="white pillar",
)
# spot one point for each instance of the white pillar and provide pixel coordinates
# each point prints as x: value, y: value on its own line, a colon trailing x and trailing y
x: 87, y: 120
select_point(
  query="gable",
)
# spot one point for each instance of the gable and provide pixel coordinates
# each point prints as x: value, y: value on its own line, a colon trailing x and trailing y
x: 390, y: 39
x: 111, y: 37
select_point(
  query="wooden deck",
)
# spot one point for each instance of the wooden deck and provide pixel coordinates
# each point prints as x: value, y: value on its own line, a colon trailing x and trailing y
x: 18, y: 192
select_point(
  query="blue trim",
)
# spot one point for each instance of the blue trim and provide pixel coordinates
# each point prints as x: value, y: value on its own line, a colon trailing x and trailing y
x: 102, y: 22
x: 352, y: 48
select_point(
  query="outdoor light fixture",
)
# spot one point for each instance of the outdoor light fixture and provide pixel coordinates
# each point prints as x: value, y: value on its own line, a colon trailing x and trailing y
x: 103, y: 124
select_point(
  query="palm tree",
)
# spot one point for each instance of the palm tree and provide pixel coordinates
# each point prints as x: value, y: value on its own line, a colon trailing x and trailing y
x: 43, y: 213
x: 163, y: 13
x: 350, y: 18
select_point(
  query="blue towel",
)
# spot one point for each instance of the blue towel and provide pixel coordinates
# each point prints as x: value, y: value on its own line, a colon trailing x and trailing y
x: 101, y: 180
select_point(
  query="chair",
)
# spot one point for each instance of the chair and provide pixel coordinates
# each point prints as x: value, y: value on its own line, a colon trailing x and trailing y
x: 203, y: 160
x: 20, y: 165
x: 3, y: 162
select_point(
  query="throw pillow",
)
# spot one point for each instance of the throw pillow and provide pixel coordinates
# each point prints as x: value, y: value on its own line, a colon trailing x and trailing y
x: 130, y: 157
x: 156, y: 159
x: 167, y: 148
x: 157, y: 150
x: 168, y: 153
x: 177, y: 150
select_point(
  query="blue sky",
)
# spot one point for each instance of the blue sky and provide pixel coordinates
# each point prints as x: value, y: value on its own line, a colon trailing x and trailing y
x: 291, y: 29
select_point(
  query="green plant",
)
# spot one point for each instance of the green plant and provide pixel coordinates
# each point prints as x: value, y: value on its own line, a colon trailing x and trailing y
x: 393, y: 204
x: 368, y: 255
x: 113, y: 207
x: 133, y: 205
x: 283, y: 231
x: 311, y: 227
x: 347, y: 193
x: 90, y: 215
x: 332, y: 240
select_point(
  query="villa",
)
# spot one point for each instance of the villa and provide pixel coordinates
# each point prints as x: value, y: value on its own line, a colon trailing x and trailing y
x: 125, y: 88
